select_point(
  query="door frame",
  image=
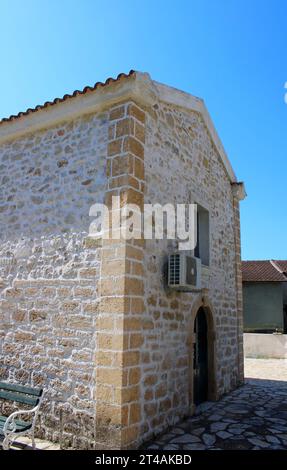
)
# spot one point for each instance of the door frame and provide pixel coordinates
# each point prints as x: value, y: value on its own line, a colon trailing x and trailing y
x: 212, y: 394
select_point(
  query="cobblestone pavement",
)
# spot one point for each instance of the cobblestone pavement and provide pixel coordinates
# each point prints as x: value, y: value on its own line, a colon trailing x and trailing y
x: 251, y: 417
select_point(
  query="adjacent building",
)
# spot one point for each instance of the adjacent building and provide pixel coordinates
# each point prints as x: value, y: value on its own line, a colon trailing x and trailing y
x: 265, y: 296
x: 265, y: 308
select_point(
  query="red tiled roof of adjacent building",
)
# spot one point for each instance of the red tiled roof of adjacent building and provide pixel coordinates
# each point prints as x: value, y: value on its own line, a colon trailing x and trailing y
x: 66, y: 97
x: 263, y: 271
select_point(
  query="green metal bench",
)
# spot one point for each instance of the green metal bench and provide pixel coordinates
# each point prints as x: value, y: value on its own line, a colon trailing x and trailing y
x: 13, y: 426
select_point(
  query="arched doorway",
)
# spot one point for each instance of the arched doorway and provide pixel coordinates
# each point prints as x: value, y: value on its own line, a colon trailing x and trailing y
x: 200, y: 358
x: 202, y: 340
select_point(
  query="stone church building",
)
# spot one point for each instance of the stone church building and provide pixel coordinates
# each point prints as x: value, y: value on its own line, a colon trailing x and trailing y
x: 120, y: 355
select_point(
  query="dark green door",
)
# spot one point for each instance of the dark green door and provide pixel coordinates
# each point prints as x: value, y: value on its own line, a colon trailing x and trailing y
x: 200, y: 358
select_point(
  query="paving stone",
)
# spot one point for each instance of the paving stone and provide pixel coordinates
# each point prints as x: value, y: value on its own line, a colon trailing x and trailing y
x: 204, y: 407
x: 214, y: 427
x: 272, y: 439
x: 274, y: 431
x: 236, y: 438
x: 237, y: 410
x: 197, y: 431
x: 276, y: 447
x: 224, y: 434
x: 208, y: 439
x: 214, y: 417
x: 260, y: 413
x: 168, y: 436
x: 185, y: 438
x: 24, y: 443
x: 193, y: 447
x: 280, y: 428
x: 277, y: 421
x: 236, y: 430
x: 52, y: 447
x: 44, y: 445
x: 257, y: 442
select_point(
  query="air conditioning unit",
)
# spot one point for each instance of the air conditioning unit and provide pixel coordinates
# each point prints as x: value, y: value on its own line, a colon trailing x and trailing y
x: 184, y: 272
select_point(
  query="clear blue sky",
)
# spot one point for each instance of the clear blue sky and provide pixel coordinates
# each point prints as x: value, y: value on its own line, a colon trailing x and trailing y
x: 232, y: 53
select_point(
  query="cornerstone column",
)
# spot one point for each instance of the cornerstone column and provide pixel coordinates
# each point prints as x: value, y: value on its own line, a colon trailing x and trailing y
x: 121, y: 305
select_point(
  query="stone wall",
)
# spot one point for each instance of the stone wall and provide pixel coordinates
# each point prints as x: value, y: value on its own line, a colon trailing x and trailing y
x: 49, y: 270
x: 72, y: 306
x: 94, y: 324
x: 265, y: 346
x: 182, y: 166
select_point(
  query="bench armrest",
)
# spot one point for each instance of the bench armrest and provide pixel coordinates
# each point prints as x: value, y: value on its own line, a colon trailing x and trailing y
x: 10, y: 425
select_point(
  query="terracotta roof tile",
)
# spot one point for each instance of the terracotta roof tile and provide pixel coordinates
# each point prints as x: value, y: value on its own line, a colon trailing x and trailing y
x: 261, y: 271
x: 67, y: 96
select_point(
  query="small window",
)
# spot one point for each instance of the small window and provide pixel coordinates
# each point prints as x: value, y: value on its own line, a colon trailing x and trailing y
x: 202, y: 248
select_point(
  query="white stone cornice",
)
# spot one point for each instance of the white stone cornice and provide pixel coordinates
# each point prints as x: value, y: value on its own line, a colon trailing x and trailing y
x: 238, y: 190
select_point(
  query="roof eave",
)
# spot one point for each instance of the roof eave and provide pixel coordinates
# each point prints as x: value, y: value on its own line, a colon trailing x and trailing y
x: 68, y: 109
x: 136, y: 86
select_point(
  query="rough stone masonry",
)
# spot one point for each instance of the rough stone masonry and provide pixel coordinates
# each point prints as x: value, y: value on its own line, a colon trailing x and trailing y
x: 91, y: 320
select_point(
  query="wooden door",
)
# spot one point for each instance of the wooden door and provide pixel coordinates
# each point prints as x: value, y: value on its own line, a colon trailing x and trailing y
x: 200, y: 358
